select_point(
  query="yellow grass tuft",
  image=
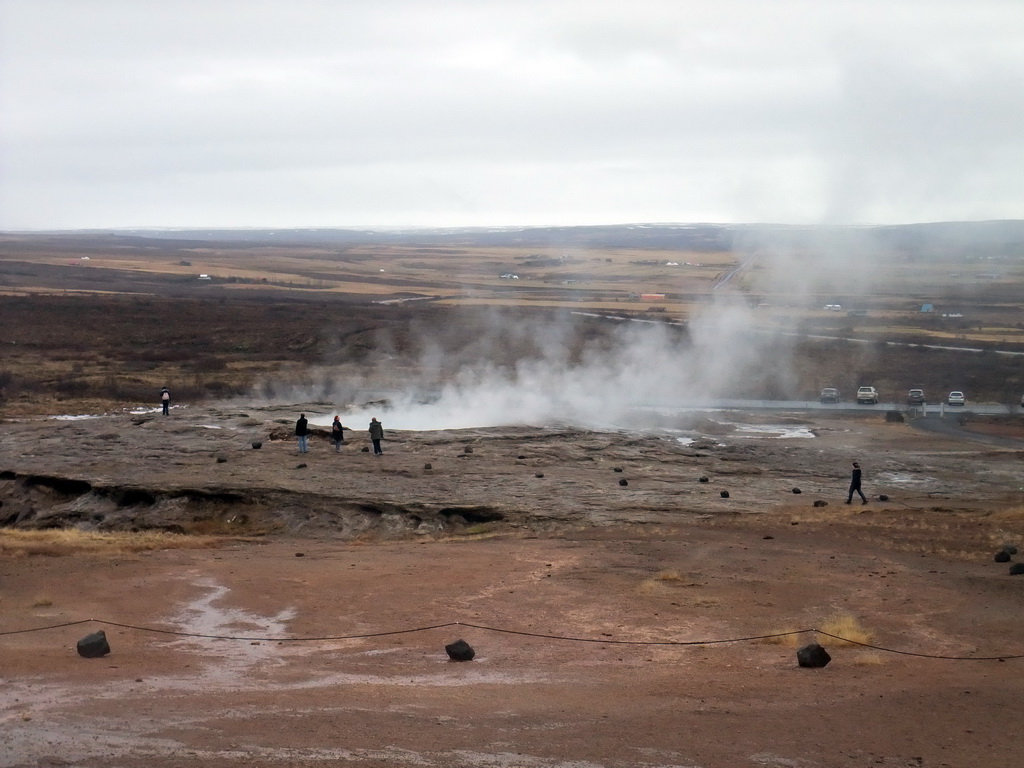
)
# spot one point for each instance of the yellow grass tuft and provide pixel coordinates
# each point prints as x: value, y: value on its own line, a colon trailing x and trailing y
x: 668, y: 575
x: 69, y: 541
x: 845, y: 628
x: 42, y: 602
x: 788, y: 636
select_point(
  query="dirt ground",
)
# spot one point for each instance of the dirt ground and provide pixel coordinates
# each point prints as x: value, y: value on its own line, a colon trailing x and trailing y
x: 614, y: 625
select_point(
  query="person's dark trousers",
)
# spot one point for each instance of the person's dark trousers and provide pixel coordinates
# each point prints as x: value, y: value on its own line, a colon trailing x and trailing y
x: 856, y: 489
x: 377, y: 451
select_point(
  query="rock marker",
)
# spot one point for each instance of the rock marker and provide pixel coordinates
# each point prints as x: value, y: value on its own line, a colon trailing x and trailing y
x: 460, y: 650
x: 93, y: 646
x: 812, y: 655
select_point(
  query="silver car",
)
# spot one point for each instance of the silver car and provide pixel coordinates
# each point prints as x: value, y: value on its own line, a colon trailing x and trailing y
x: 956, y: 397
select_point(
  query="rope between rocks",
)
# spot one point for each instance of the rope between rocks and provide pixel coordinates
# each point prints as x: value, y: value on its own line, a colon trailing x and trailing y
x: 506, y: 631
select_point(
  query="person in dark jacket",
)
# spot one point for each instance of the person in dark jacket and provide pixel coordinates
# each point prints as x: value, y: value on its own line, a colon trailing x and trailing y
x: 376, y: 435
x: 855, y: 485
x: 165, y: 399
x: 337, y: 433
x: 302, y: 432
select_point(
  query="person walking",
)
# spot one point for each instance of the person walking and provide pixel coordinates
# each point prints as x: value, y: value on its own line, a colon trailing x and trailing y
x: 376, y: 435
x: 337, y: 433
x: 302, y: 432
x: 855, y: 485
x: 165, y: 400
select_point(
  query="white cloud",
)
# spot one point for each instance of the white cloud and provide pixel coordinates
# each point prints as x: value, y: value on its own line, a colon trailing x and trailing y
x: 308, y: 113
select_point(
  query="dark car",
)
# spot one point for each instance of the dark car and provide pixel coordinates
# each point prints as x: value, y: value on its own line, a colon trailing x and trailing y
x: 829, y: 395
x: 915, y: 397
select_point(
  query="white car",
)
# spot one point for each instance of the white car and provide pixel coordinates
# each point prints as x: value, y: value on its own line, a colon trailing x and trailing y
x: 867, y: 395
x: 956, y: 397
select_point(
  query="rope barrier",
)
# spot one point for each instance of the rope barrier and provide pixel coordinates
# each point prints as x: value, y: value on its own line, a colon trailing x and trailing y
x: 506, y: 631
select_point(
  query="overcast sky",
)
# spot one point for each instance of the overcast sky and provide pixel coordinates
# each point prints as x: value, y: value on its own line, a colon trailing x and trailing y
x: 275, y: 113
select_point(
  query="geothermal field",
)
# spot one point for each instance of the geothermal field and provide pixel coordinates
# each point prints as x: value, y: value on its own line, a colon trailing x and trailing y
x: 605, y: 468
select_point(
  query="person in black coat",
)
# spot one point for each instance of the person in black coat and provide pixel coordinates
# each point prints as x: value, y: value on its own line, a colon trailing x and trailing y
x: 855, y: 485
x: 337, y: 433
x: 302, y: 432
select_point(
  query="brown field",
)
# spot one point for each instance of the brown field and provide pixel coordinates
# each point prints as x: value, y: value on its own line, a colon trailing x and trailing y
x: 635, y: 596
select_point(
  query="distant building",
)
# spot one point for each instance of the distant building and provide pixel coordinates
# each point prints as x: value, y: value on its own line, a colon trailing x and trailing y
x: 652, y: 297
x: 204, y: 277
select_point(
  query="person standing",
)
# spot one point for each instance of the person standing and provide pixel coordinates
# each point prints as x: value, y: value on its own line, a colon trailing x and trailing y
x: 302, y: 432
x: 165, y: 400
x: 855, y: 485
x: 376, y: 435
x: 337, y: 433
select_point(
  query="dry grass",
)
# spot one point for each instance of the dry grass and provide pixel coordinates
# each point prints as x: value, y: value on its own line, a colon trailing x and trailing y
x: 845, y: 630
x: 60, y: 542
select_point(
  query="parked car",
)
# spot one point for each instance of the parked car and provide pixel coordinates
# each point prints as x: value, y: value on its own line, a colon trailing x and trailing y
x: 830, y: 395
x: 956, y: 397
x: 915, y: 397
x: 867, y: 395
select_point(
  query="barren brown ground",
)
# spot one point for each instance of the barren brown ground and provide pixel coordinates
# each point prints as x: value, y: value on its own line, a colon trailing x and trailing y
x: 582, y: 601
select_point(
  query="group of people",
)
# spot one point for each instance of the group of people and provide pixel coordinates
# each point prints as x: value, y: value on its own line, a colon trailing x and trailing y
x: 338, y: 434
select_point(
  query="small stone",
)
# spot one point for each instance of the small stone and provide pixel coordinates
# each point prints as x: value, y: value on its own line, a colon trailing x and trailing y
x: 812, y: 655
x: 428, y: 465
x: 460, y: 650
x: 93, y: 646
x: 882, y: 497
x: 300, y: 466
x: 257, y: 444
x: 300, y: 554
x: 365, y: 449
x: 623, y: 481
x: 1002, y: 556
x: 1017, y: 569
x: 616, y: 469
x: 797, y: 490
x: 539, y: 474
x: 704, y: 480
x: 1009, y: 549
x: 222, y: 460
x: 467, y: 449
x: 724, y: 494
x: 820, y: 503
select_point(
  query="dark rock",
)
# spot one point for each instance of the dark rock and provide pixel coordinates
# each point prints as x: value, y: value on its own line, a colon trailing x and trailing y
x: 257, y: 444
x: 894, y: 417
x: 222, y: 460
x: 623, y: 481
x: 1017, y: 569
x: 820, y: 503
x: 724, y: 494
x: 460, y: 650
x: 365, y: 449
x: 812, y: 655
x: 300, y: 554
x: 539, y: 474
x: 797, y: 490
x: 428, y: 465
x: 93, y: 646
x: 616, y: 469
x: 704, y: 480
x: 882, y: 497
x: 1002, y: 556
x: 1009, y: 549
x: 301, y: 466
x: 520, y: 457
x: 768, y: 537
x: 468, y: 449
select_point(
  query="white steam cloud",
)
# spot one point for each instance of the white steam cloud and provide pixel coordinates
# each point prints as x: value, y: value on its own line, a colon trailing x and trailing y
x: 638, y: 366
